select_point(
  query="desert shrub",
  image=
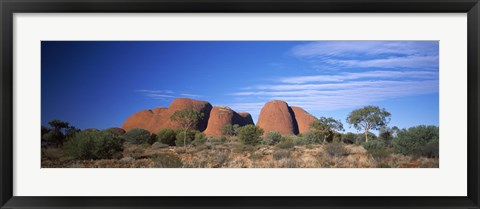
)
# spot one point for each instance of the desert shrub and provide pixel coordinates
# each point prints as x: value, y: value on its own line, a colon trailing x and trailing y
x: 313, y: 137
x: 139, y: 136
x: 298, y: 140
x: 184, y: 138
x: 241, y: 148
x: 250, y: 134
x: 349, y: 138
x: 379, y: 154
x: 374, y: 145
x: 219, y: 159
x: 52, y: 153
x: 272, y: 138
x: 431, y: 149
x: 281, y: 154
x: 287, y: 142
x: 337, y: 137
x: 336, y: 149
x: 93, y: 145
x: 256, y: 156
x: 200, y: 139
x: 158, y: 145
x: 228, y: 130
x: 377, y: 149
x: 167, y: 160
x: 288, y: 163
x: 417, y: 141
x: 216, y: 139
x: 116, y: 131
x: 167, y: 136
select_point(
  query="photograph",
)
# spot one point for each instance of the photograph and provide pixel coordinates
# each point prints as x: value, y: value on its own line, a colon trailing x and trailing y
x: 240, y: 104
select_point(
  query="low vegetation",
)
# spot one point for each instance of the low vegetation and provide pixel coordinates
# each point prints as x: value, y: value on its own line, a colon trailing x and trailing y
x: 323, y: 146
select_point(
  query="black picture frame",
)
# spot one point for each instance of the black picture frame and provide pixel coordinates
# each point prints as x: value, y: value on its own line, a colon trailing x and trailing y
x: 9, y: 7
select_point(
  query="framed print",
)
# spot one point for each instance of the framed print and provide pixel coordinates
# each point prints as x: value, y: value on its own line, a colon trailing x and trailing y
x: 263, y: 104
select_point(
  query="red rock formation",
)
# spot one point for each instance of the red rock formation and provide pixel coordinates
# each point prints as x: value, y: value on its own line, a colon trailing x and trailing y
x: 276, y: 115
x: 303, y: 119
x: 159, y: 118
x: 221, y: 116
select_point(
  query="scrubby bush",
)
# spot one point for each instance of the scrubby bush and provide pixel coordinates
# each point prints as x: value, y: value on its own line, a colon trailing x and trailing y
x: 116, y: 131
x: 52, y: 153
x: 313, y: 137
x: 250, y: 134
x: 216, y: 139
x: 337, y: 137
x: 431, y: 149
x: 167, y: 160
x: 281, y: 154
x: 336, y: 149
x: 139, y: 136
x: 184, y: 138
x: 93, y: 145
x: 374, y: 145
x: 272, y: 138
x: 200, y: 138
x: 167, y: 136
x: 287, y: 142
x: 349, y: 138
x: 377, y: 149
x: 228, y: 130
x: 417, y: 141
x: 297, y: 140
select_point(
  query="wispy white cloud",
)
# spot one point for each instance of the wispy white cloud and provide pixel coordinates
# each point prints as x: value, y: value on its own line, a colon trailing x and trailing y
x: 348, y: 48
x: 165, y: 94
x: 391, y: 62
x: 190, y: 95
x: 307, y: 92
x: 362, y: 75
x: 338, y: 55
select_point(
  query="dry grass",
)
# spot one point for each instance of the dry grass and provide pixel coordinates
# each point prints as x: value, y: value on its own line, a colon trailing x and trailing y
x: 234, y: 155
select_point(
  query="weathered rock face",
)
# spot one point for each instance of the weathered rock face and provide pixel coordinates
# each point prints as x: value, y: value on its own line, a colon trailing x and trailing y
x: 159, y: 118
x: 303, y: 118
x: 276, y: 115
x: 184, y: 103
x: 221, y: 116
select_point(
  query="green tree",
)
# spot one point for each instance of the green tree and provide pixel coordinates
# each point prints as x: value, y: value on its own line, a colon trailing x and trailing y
x: 138, y: 136
x: 167, y: 136
x: 386, y: 134
x: 58, y: 129
x: 88, y: 145
x: 368, y: 118
x: 71, y: 131
x: 273, y: 137
x: 228, y: 130
x: 418, y: 141
x: 250, y: 134
x: 327, y: 126
x: 349, y: 138
x: 187, y: 119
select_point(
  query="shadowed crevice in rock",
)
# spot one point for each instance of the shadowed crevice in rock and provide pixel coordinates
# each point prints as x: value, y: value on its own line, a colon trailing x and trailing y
x: 294, y: 121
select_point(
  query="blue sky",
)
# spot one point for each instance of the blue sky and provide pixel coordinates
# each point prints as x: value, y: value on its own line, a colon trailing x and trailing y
x: 98, y: 84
